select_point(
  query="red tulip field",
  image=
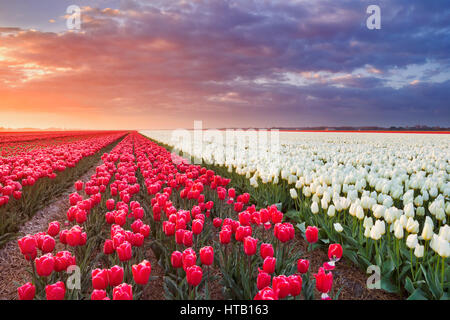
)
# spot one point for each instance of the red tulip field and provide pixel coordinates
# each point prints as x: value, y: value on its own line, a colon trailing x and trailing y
x: 116, y: 216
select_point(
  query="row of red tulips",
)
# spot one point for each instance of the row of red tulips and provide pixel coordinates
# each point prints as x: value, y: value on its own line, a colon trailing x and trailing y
x: 191, y: 212
x: 22, y: 170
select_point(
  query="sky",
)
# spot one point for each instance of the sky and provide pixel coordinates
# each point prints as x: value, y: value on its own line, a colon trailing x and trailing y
x: 229, y: 63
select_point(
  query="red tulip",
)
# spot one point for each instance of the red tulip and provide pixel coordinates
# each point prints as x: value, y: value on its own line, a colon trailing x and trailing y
x: 141, y: 272
x: 312, y: 234
x: 225, y: 236
x: 250, y: 246
x: 176, y: 259
x: 269, y: 265
x: 99, y: 295
x: 281, y: 286
x: 55, y: 291
x: 266, y: 294
x: 53, y: 228
x: 324, y: 282
x: 145, y: 230
x: 100, y: 279
x: 187, y: 238
x: 302, y: 265
x: 169, y: 228
x: 48, y: 244
x: 244, y: 218
x: 295, y: 284
x: 73, y: 236
x: 27, y: 246
x: 188, y: 260
x: 27, y: 291
x: 335, y: 252
x: 63, y: 260
x: 217, y: 222
x: 263, y: 280
x: 110, y: 204
x: 108, y: 247
x: 266, y: 250
x: 207, y: 255
x: 238, y: 206
x: 124, y: 251
x: 123, y: 292
x: 194, y: 275
x: 45, y: 265
x: 79, y: 185
x: 179, y: 235
x: 115, y: 276
x: 197, y: 226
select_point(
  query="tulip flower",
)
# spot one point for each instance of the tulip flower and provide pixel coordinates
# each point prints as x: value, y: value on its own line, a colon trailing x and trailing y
x: 53, y: 228
x: 263, y: 280
x: 266, y: 250
x: 99, y: 295
x: 28, y: 246
x: 295, y: 285
x: 124, y: 251
x: 100, y: 279
x: 266, y: 294
x: 335, y: 252
x: 324, y: 282
x: 55, y: 291
x: 194, y: 275
x: 217, y: 222
x: 48, y: 244
x: 108, y: 247
x: 281, y: 286
x: 176, y: 259
x: 312, y: 234
x: 45, y: 265
x: 207, y: 255
x: 269, y: 265
x: 302, y: 265
x: 250, y: 246
x: 123, y: 292
x: 197, y: 226
x: 115, y: 275
x: 27, y: 291
x: 188, y: 238
x: 141, y: 272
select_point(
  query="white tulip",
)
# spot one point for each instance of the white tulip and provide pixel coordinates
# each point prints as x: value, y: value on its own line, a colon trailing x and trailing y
x: 412, y: 226
x: 331, y: 211
x: 411, y: 241
x: 314, y: 207
x: 293, y: 193
x: 338, y: 227
x: 398, y: 232
x: 418, y: 251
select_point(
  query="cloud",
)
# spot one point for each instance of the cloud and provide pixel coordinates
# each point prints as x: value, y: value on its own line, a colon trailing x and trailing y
x: 166, y: 63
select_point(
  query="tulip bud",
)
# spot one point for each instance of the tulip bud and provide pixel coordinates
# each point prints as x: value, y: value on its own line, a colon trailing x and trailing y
x: 141, y: 272
x: 411, y: 241
x: 123, y: 292
x: 312, y: 234
x: 207, y: 255
x: 194, y: 275
x: 27, y: 291
x: 55, y: 291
